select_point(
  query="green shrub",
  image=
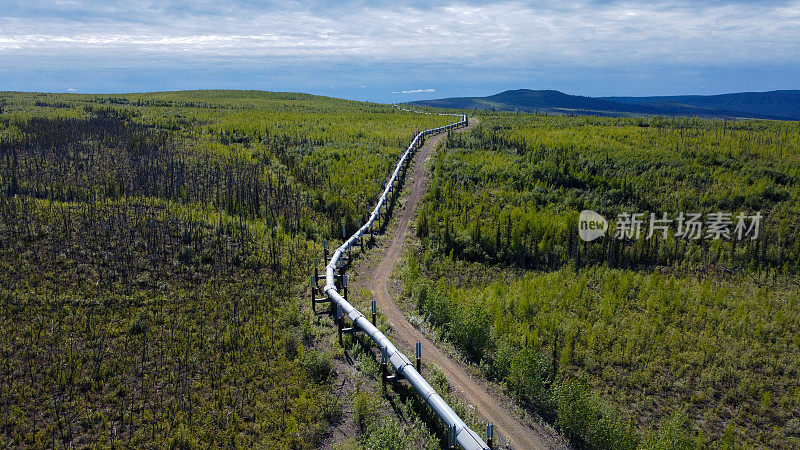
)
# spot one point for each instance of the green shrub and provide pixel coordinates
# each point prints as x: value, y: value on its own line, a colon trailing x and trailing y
x: 437, y: 307
x: 365, y: 409
x: 384, y: 435
x: 140, y: 323
x: 470, y: 328
x: 318, y: 365
x: 583, y: 417
x: 527, y: 377
x: 671, y: 435
x: 183, y: 439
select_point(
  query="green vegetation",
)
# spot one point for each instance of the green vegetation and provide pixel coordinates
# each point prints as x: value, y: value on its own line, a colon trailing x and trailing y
x: 153, y: 251
x: 621, y: 343
x: 510, y: 191
x: 413, y: 424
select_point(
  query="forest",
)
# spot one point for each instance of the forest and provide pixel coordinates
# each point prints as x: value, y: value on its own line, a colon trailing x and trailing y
x: 155, y: 252
x: 154, y: 258
x: 620, y: 343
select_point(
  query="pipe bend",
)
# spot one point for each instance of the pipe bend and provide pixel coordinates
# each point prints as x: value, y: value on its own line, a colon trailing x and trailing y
x: 465, y: 437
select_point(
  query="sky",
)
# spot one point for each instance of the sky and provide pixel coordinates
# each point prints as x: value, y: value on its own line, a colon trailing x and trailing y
x: 401, y: 50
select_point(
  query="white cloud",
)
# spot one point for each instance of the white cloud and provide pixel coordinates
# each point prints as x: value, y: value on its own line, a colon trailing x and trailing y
x: 511, y: 33
x: 415, y: 91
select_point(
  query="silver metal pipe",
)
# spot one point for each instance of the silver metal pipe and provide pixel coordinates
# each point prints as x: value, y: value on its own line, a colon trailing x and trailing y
x: 465, y: 437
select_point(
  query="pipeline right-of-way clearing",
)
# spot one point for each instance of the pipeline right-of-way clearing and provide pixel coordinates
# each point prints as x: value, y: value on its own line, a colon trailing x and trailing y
x: 488, y: 405
x: 459, y: 432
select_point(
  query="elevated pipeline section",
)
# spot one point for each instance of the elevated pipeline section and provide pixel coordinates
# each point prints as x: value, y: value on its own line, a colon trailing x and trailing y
x: 460, y: 433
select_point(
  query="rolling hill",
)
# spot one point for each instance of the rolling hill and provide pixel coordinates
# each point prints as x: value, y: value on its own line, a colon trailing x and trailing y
x: 780, y: 105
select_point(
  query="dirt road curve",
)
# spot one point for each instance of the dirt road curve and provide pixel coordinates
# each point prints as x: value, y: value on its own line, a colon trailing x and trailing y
x: 405, y: 335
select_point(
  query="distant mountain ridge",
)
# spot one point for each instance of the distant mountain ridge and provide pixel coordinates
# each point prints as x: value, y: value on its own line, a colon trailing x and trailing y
x: 779, y: 105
